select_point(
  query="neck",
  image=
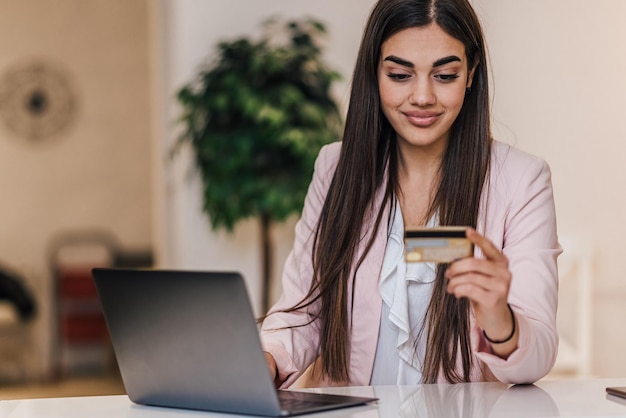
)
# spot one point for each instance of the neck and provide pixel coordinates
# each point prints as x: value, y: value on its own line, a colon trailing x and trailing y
x: 419, y: 164
x: 418, y: 178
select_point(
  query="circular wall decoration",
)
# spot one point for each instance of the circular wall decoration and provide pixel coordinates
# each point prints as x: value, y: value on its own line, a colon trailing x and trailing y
x: 36, y: 100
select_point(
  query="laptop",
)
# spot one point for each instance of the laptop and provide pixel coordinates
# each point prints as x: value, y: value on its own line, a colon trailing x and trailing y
x: 189, y: 339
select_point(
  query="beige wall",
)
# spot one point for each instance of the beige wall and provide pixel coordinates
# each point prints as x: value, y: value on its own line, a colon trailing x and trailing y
x: 96, y: 174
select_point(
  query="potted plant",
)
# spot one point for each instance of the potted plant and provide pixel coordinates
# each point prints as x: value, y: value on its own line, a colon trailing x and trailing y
x: 256, y: 118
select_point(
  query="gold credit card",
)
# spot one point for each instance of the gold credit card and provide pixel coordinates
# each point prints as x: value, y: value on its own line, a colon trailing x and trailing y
x: 442, y: 244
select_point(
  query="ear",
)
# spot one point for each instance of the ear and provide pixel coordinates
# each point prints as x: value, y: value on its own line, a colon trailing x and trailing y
x: 470, y: 77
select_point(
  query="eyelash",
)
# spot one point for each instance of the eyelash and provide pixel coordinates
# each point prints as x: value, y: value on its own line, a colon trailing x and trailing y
x: 448, y: 77
x: 398, y: 77
x: 443, y: 77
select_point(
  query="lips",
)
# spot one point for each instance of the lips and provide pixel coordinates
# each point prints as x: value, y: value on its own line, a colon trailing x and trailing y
x: 422, y: 119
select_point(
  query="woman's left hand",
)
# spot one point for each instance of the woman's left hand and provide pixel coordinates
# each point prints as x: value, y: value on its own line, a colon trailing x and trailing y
x: 486, y: 282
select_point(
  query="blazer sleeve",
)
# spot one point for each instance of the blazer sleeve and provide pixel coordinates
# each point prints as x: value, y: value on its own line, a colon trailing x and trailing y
x: 291, y: 338
x: 526, y: 231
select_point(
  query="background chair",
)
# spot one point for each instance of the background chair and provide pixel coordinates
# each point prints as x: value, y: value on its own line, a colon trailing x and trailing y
x: 574, y: 315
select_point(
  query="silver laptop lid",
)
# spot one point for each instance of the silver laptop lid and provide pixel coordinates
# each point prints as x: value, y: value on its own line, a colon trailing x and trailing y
x: 190, y: 345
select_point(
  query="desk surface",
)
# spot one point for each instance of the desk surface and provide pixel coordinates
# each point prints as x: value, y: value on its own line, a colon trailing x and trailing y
x: 566, y: 398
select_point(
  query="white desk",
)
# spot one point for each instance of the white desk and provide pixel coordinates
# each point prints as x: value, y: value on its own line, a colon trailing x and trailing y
x: 584, y: 398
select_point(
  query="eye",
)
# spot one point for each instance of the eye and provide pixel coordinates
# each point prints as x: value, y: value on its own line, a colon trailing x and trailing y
x: 447, y: 77
x: 398, y: 76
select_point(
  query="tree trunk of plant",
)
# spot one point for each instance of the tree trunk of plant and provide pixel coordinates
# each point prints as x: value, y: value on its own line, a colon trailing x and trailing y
x: 267, y: 253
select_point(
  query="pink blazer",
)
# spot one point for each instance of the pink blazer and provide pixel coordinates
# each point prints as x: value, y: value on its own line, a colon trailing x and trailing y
x: 517, y: 214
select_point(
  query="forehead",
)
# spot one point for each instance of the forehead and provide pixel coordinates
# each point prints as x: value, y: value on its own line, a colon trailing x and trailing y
x: 423, y: 44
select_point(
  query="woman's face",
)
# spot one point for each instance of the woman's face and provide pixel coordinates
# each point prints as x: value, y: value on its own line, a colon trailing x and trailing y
x: 422, y: 78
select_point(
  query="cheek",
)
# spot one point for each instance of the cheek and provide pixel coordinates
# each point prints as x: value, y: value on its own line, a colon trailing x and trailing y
x: 390, y: 94
x: 453, y: 98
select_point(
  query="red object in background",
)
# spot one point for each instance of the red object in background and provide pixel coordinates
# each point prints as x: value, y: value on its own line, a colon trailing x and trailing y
x: 81, y: 317
x: 81, y: 340
x: 76, y: 283
x: 85, y: 328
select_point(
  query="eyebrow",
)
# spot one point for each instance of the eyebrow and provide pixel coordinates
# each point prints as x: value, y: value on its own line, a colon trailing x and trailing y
x: 446, y: 60
x: 438, y: 63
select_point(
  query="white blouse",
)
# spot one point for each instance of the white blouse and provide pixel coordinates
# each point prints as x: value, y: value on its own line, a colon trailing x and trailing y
x: 405, y: 289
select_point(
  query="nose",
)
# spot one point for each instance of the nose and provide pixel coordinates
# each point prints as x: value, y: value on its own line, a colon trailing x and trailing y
x: 422, y: 92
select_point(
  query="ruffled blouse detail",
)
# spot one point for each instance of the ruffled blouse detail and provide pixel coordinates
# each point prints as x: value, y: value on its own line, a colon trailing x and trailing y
x: 405, y: 289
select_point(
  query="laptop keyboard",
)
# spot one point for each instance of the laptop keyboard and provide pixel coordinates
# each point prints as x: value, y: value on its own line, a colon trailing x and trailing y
x: 291, y: 400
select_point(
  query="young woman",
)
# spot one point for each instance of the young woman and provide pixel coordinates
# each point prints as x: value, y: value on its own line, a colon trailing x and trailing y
x: 417, y: 151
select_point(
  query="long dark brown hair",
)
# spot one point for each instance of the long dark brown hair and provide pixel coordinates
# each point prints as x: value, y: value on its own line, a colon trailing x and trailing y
x: 369, y: 162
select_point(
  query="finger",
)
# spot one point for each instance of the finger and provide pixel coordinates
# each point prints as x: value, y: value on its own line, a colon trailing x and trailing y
x: 476, y: 294
x: 489, y: 250
x: 271, y: 365
x: 481, y: 290
x: 476, y: 265
x: 496, y: 282
x: 484, y: 282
